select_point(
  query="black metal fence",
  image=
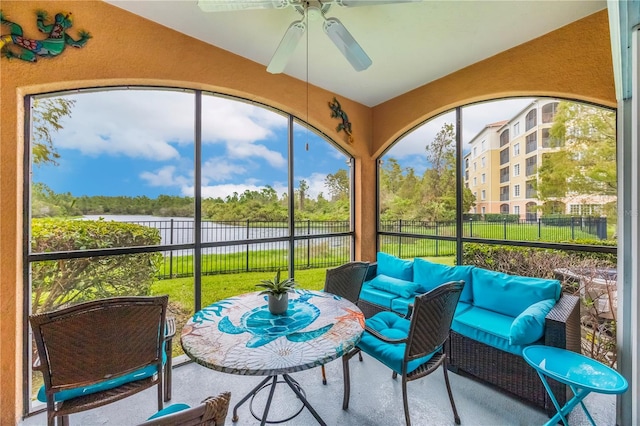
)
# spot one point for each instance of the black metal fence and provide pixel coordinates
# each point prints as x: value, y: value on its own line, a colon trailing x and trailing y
x: 548, y: 229
x: 236, y: 246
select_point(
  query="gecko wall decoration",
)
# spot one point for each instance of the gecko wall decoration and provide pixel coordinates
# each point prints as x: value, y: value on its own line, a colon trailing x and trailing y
x: 337, y: 112
x: 16, y: 45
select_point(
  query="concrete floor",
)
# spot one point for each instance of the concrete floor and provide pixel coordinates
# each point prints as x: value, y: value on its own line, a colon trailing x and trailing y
x: 376, y: 399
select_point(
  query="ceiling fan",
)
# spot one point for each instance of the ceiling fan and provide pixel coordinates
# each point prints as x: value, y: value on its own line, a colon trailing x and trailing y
x: 311, y: 10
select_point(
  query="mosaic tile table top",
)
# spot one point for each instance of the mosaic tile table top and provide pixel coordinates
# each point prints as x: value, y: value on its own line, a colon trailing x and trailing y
x: 238, y: 335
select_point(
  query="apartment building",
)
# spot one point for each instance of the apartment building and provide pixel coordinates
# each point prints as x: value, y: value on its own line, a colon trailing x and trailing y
x: 501, y: 166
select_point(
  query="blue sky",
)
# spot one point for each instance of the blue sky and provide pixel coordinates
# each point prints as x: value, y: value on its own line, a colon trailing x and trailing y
x: 140, y: 142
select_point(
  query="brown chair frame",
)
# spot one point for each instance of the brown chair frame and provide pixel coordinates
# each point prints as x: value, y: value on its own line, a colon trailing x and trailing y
x: 211, y: 412
x: 345, y: 281
x: 431, y: 319
x: 91, y: 342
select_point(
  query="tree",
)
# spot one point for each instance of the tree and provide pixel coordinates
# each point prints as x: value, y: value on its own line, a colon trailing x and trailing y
x: 439, y: 181
x: 303, y: 188
x: 46, y: 117
x: 585, y: 161
x: 338, y: 184
x: 404, y: 195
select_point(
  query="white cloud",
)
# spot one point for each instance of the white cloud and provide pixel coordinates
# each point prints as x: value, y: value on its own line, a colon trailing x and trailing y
x: 149, y: 123
x: 164, y: 176
x: 139, y: 124
x: 248, y: 150
x: 235, y: 121
x: 218, y: 169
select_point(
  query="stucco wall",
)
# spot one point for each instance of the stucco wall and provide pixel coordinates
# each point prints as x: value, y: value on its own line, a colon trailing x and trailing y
x: 574, y: 61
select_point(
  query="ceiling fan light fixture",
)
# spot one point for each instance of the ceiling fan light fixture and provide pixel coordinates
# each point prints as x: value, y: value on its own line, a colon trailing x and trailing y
x: 314, y: 13
x: 345, y: 42
x: 233, y: 5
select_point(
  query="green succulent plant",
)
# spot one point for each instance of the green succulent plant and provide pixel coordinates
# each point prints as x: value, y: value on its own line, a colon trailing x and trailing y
x: 277, y: 288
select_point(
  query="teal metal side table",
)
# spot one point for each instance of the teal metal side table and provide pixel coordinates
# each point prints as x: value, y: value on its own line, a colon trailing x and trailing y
x: 583, y: 375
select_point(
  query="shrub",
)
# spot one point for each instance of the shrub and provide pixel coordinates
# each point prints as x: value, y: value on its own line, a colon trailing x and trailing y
x: 500, y: 217
x: 62, y: 282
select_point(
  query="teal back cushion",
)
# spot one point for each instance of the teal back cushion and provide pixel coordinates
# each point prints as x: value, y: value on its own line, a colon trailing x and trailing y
x: 430, y: 275
x: 510, y: 294
x: 394, y: 267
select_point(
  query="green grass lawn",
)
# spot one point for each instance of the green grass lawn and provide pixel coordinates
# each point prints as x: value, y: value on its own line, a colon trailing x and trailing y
x: 217, y: 287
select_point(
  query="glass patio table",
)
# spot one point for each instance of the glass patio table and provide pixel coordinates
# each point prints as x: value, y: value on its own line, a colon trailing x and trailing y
x: 583, y: 375
x: 238, y: 335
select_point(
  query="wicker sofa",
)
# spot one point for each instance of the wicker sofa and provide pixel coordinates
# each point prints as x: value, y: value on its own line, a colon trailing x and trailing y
x: 491, y: 298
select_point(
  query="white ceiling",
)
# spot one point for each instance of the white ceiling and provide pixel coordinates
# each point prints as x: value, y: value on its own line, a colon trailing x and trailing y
x: 410, y: 44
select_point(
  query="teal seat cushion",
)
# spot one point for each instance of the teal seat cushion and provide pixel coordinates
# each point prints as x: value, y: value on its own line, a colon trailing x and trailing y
x: 528, y: 327
x: 395, y: 267
x: 431, y: 275
x: 392, y: 355
x: 376, y: 296
x: 510, y: 294
x: 488, y: 327
x: 66, y: 394
x: 400, y: 305
x: 173, y: 408
x: 461, y: 307
x: 396, y: 286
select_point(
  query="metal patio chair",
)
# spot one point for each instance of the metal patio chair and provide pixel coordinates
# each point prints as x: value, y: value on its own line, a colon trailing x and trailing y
x: 412, y: 348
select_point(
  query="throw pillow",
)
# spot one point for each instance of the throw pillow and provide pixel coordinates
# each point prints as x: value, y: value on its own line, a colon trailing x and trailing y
x: 392, y: 285
x: 528, y: 327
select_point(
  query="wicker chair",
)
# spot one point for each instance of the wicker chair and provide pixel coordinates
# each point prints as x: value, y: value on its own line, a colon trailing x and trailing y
x: 98, y: 352
x: 412, y: 347
x: 345, y: 281
x: 211, y: 412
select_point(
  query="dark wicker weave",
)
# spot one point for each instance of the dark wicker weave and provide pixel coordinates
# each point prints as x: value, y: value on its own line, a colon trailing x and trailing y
x: 103, y: 339
x: 345, y: 281
x: 511, y: 373
x: 212, y: 412
x: 429, y: 330
x: 370, y: 309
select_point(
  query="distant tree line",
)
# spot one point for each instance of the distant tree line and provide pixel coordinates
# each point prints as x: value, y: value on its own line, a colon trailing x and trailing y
x: 262, y: 205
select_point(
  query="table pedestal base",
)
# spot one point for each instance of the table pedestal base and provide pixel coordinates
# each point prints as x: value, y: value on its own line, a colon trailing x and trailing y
x: 294, y: 385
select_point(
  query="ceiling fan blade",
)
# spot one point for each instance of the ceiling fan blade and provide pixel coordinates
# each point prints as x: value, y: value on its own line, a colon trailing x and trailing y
x: 345, y: 42
x: 352, y: 3
x: 286, y: 47
x: 233, y: 5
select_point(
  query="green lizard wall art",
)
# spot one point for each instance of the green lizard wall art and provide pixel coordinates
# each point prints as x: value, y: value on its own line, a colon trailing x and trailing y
x: 16, y: 45
x: 337, y: 112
